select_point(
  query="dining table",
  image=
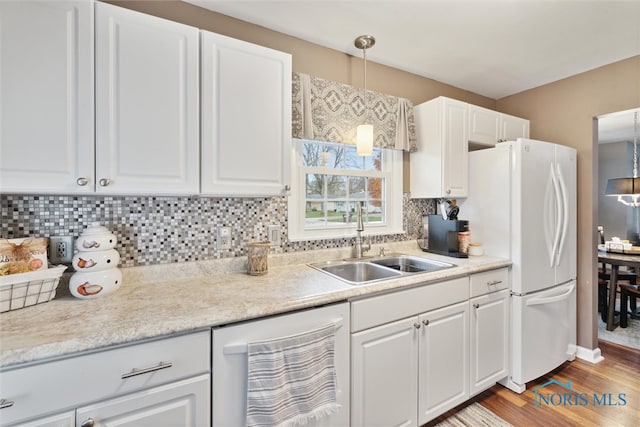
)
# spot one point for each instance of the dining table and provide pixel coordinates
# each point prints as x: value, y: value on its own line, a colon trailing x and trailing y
x: 616, y: 260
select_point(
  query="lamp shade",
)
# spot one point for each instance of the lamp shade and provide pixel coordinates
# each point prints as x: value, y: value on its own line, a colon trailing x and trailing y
x: 364, y: 140
x: 622, y: 187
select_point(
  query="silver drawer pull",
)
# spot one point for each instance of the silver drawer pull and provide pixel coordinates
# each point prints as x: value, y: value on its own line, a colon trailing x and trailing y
x: 135, y: 372
x: 4, y: 403
x: 495, y: 282
x: 89, y: 422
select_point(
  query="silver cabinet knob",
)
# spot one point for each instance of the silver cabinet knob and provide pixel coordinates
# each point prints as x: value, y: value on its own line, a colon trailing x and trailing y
x: 416, y: 325
x: 104, y: 182
x: 287, y: 188
x: 82, y: 181
x: 476, y: 305
x: 87, y: 423
x: 425, y: 322
x: 449, y: 191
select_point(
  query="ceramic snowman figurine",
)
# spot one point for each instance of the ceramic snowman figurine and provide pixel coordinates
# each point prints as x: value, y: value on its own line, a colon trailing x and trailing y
x: 96, y: 264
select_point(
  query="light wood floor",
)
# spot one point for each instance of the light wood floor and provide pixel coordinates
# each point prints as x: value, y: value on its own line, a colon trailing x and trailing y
x: 618, y: 374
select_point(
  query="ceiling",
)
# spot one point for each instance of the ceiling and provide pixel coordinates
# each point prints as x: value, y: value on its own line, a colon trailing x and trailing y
x: 494, y: 48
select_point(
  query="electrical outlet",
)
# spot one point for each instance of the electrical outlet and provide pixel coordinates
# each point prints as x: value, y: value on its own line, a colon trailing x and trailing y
x: 61, y: 249
x: 224, y: 238
x: 273, y: 234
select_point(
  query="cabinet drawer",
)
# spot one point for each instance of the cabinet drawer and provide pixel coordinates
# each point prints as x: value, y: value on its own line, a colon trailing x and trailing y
x: 386, y: 308
x: 489, y: 281
x: 66, y: 383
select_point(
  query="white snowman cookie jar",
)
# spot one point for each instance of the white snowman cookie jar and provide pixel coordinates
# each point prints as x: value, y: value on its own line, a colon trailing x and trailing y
x: 96, y: 264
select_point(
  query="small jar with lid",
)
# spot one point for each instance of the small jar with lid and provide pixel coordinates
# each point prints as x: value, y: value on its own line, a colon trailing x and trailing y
x: 95, y: 263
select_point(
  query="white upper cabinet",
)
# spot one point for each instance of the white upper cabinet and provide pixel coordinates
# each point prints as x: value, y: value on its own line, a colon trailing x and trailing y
x: 440, y: 166
x: 484, y: 125
x: 512, y: 128
x: 487, y: 127
x: 147, y: 106
x: 246, y: 118
x: 46, y: 97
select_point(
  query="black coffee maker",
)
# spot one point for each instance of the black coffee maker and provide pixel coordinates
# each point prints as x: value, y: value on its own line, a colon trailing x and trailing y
x: 443, y: 235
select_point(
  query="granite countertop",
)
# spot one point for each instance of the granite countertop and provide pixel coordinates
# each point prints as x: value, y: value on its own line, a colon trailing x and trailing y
x: 161, y: 300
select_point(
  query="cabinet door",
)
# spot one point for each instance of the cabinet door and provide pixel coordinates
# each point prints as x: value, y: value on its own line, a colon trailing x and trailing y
x: 512, y: 128
x: 147, y: 131
x: 444, y: 360
x: 455, y: 153
x: 384, y: 375
x: 489, y: 340
x: 246, y: 118
x: 483, y: 125
x: 183, y: 403
x: 65, y: 419
x: 46, y: 97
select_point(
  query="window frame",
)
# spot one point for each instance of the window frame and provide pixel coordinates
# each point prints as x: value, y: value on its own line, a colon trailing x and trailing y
x: 392, y: 199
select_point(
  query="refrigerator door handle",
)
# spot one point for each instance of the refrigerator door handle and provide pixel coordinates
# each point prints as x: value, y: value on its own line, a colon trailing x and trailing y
x: 549, y: 300
x: 565, y: 216
x: 556, y: 234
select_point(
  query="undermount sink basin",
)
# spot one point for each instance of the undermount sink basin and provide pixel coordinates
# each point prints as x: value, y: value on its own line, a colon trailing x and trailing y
x: 358, y: 272
x: 409, y: 264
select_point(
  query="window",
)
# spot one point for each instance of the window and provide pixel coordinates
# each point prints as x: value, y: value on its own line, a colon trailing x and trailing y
x: 330, y: 180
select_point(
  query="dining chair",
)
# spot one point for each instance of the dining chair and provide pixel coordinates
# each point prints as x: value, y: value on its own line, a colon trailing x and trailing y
x: 604, y: 277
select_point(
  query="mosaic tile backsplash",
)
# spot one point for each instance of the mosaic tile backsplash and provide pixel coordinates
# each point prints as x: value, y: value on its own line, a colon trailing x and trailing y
x: 160, y: 230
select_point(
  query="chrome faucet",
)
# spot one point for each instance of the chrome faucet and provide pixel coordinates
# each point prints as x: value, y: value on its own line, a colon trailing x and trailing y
x: 358, y: 244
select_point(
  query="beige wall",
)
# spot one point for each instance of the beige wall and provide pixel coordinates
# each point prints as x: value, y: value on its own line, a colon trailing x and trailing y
x: 563, y: 112
x: 560, y: 112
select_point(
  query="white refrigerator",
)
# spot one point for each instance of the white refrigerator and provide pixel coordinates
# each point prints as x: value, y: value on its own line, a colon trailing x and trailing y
x: 522, y: 206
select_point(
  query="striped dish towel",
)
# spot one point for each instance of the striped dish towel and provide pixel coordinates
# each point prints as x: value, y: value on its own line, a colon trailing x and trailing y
x: 292, y: 380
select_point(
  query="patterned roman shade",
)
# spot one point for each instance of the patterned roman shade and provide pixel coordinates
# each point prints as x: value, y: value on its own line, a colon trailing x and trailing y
x: 330, y: 111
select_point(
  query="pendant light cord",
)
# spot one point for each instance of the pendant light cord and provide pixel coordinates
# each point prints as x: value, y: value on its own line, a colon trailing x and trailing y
x: 364, y: 56
x: 635, y: 145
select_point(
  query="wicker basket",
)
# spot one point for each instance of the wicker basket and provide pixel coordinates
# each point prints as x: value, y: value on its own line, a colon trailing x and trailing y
x: 25, y: 289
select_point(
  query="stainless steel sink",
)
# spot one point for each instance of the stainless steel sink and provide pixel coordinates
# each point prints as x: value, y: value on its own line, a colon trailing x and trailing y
x: 410, y: 264
x: 358, y: 272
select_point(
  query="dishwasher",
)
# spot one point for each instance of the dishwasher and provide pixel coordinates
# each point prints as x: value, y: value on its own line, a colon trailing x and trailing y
x: 229, y: 360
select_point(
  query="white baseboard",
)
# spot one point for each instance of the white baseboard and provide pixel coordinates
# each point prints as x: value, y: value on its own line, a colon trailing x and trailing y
x: 592, y: 356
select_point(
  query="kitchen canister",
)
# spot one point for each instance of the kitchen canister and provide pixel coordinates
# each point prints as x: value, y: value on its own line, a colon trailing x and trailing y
x: 96, y: 264
x: 463, y: 241
x: 257, y: 258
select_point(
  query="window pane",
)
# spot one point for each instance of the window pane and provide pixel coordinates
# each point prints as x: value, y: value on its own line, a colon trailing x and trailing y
x: 375, y: 188
x: 357, y: 187
x: 314, y: 215
x: 315, y: 185
x: 375, y: 212
x: 336, y: 186
x: 338, y: 156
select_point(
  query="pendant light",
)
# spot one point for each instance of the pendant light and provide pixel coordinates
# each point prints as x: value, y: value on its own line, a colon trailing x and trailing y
x: 628, y: 189
x: 364, y: 139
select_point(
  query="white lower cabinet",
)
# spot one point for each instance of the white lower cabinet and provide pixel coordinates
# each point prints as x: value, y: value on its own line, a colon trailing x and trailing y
x: 420, y: 352
x: 444, y: 360
x: 181, y: 403
x: 489, y: 339
x: 384, y: 375
x: 408, y: 371
x: 161, y: 382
